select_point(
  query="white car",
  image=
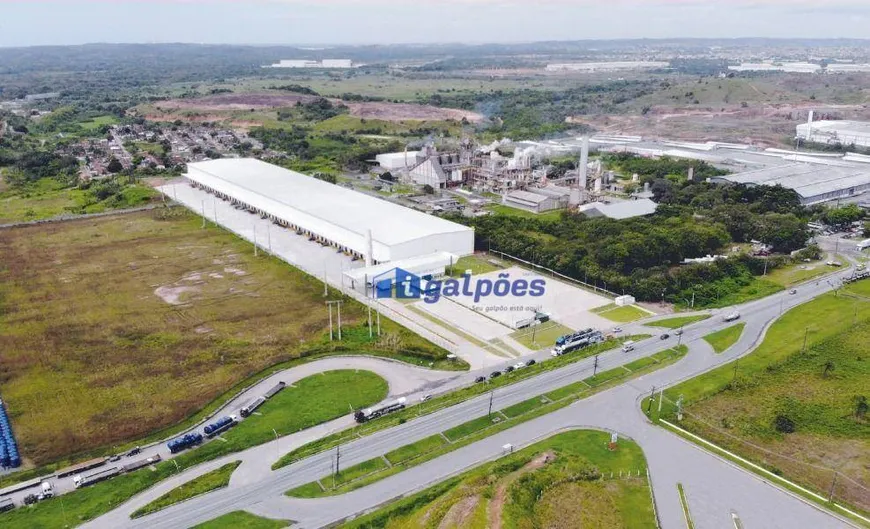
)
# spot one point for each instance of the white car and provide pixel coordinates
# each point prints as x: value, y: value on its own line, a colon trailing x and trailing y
x: 519, y: 365
x: 617, y: 329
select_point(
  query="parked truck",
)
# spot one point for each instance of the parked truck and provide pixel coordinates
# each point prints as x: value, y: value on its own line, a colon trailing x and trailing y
x: 136, y: 465
x: 577, y: 341
x: 6, y: 504
x: 274, y: 391
x: 373, y: 413
x: 82, y: 467
x: 863, y: 245
x: 249, y: 408
x: 185, y: 441
x: 221, y: 425
x: 83, y: 481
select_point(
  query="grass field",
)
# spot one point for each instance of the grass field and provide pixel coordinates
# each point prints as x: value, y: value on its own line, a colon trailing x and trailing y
x: 216, y: 479
x: 624, y: 314
x: 676, y: 323
x: 796, y: 412
x: 49, y: 198
x: 517, y: 491
x: 791, y: 274
x: 543, y: 335
x: 117, y: 327
x: 308, y: 402
x: 478, y: 264
x: 501, y: 209
x: 757, y: 289
x: 722, y: 340
x: 241, y: 520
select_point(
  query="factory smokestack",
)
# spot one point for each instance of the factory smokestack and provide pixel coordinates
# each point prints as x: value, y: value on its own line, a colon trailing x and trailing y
x: 584, y: 163
x: 810, y: 125
x: 369, y: 250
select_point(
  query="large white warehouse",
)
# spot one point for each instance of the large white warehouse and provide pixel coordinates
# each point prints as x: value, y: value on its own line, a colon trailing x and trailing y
x: 329, y: 213
x: 831, y: 132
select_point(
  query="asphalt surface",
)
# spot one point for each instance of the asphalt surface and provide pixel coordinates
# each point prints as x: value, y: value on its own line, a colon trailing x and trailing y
x: 715, y: 488
x: 403, y: 380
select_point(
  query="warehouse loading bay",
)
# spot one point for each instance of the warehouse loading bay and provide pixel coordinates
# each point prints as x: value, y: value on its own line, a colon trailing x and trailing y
x: 489, y: 334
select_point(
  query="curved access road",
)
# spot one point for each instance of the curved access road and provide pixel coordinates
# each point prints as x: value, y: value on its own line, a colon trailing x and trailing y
x: 403, y: 380
x: 716, y: 489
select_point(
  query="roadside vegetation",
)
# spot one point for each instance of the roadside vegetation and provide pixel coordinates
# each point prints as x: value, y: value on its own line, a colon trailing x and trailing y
x: 417, y: 453
x: 624, y: 314
x: 798, y: 404
x: 446, y: 400
x: 568, y: 480
x: 310, y: 401
x: 143, y: 323
x: 242, y: 520
x: 216, y: 479
x: 680, y: 321
x: 722, y: 340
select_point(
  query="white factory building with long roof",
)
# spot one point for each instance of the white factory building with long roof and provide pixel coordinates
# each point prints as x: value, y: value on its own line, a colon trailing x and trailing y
x: 358, y: 224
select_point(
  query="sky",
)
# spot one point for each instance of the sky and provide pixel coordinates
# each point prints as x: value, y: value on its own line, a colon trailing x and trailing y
x: 58, y: 22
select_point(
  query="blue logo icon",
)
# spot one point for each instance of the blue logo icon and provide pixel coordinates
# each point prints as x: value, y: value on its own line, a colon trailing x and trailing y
x: 410, y: 286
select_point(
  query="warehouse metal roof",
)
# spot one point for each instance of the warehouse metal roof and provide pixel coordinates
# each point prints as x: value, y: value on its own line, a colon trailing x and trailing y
x: 620, y: 210
x: 808, y: 180
x: 286, y: 194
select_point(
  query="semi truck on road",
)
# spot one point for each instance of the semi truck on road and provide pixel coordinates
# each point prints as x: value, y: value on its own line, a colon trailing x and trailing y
x: 373, y: 413
x: 83, y: 481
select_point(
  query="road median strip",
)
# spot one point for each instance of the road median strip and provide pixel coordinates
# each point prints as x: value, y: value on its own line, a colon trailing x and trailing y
x: 426, y: 449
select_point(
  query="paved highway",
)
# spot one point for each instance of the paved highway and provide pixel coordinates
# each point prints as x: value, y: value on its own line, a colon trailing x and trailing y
x: 715, y: 488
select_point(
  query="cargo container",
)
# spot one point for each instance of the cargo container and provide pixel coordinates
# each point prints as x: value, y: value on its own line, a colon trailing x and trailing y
x: 221, y: 425
x: 185, y: 441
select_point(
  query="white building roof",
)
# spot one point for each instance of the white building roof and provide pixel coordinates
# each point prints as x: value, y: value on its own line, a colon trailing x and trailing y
x: 621, y: 210
x: 527, y: 196
x: 332, y: 211
x: 808, y: 180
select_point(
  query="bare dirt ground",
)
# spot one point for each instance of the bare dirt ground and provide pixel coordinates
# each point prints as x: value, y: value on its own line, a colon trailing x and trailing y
x: 761, y: 125
x: 496, y: 506
x: 459, y: 513
x: 258, y: 101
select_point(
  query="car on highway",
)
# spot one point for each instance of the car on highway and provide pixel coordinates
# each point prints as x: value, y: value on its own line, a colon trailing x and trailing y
x: 508, y: 369
x: 628, y: 346
x: 664, y: 336
x: 678, y: 332
x: 114, y: 458
x: 494, y: 374
x: 792, y: 291
x: 478, y: 380
x: 732, y: 316
x: 531, y: 362
x: 134, y: 451
x: 424, y: 398
x: 519, y: 365
x: 617, y: 330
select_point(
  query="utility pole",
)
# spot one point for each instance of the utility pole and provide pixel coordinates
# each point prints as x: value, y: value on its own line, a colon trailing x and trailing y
x: 652, y: 395
x: 680, y: 337
x: 325, y: 286
x: 806, y: 333
x: 736, y: 364
x: 203, y: 214
x: 680, y: 408
x: 269, y: 237
x: 693, y: 299
x: 833, y: 484
x: 337, y: 304
x: 329, y: 306
x: 661, y: 398
x: 765, y: 267
x: 595, y: 366
x: 214, y: 207
x: 370, y: 321
x: 490, y: 404
x: 255, y: 240
x: 378, y: 315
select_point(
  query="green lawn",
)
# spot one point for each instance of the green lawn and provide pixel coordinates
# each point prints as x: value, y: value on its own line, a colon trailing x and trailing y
x: 242, y: 520
x: 216, y: 479
x: 414, y: 450
x: 97, y: 122
x: 788, y: 275
x: 722, y: 340
x: 757, y: 289
x: 473, y: 426
x: 581, y: 455
x: 482, y: 427
x: 444, y: 401
x: 501, y: 209
x: 540, y: 336
x: 309, y: 402
x: 791, y: 409
x: 625, y: 314
x: 478, y: 264
x: 675, y: 323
